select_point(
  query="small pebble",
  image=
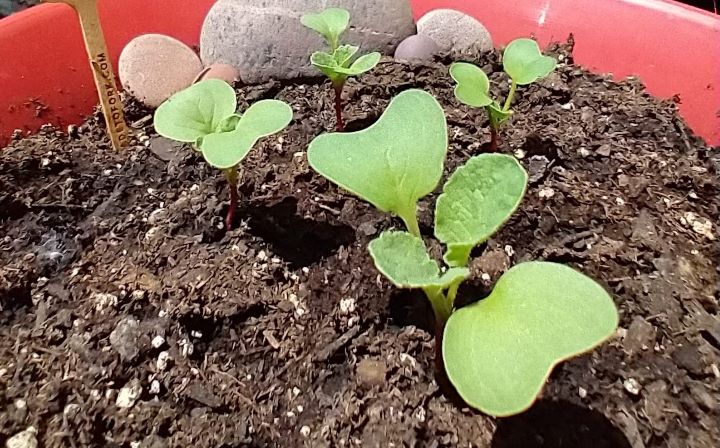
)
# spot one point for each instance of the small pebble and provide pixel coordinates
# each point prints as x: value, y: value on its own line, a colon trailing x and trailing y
x: 632, y: 386
x: 158, y: 341
x: 305, y: 431
x: 129, y: 394
x: 24, y: 439
x: 223, y: 72
x: 153, y: 67
x: 371, y: 372
x: 417, y: 48
x: 455, y: 31
x: 582, y: 392
x: 162, y: 361
x: 546, y: 193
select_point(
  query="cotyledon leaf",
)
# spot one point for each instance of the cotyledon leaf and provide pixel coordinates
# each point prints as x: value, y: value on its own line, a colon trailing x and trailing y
x: 394, y: 162
x: 473, y: 85
x: 403, y: 259
x: 524, y: 62
x: 227, y: 149
x: 195, y: 112
x: 499, y: 351
x: 477, y: 200
x: 330, y: 23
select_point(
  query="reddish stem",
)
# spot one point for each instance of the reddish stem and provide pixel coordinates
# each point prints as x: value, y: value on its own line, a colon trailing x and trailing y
x: 339, y: 106
x: 494, y: 139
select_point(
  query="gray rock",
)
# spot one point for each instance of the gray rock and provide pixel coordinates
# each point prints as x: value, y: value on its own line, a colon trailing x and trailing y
x: 455, y: 31
x: 153, y: 67
x: 124, y: 338
x: 268, y: 41
x: 417, y: 48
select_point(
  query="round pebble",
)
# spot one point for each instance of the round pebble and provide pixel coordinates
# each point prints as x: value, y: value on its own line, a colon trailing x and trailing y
x: 455, y: 31
x: 153, y: 67
x: 224, y: 72
x: 417, y: 48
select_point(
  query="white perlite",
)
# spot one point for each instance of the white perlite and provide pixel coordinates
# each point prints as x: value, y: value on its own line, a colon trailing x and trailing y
x: 268, y: 41
x: 129, y: 394
x: 455, y: 31
x: 24, y: 439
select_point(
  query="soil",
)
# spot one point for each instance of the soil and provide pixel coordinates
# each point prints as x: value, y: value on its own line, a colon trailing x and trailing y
x: 130, y: 318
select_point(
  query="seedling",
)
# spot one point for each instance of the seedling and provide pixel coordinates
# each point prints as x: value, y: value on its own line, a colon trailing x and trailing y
x: 205, y: 115
x: 340, y: 62
x: 524, y: 64
x: 499, y: 351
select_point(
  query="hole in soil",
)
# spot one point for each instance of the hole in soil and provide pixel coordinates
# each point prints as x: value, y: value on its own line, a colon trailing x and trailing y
x: 411, y: 307
x: 558, y: 424
x: 538, y: 146
x: 300, y: 242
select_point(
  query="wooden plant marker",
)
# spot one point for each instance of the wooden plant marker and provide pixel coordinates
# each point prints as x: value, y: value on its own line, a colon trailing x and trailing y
x: 102, y: 70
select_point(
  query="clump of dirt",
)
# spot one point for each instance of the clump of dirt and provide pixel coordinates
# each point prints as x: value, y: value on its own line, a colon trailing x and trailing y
x: 129, y: 316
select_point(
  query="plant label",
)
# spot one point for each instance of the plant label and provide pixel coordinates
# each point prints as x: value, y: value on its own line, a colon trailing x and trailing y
x: 102, y: 70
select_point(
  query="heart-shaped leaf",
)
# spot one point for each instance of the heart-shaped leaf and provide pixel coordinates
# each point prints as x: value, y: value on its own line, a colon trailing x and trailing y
x: 227, y: 149
x: 394, y: 162
x: 473, y: 85
x: 403, y: 259
x: 197, y: 111
x: 337, y: 66
x: 499, y: 352
x: 477, y: 200
x: 524, y: 62
x: 330, y: 24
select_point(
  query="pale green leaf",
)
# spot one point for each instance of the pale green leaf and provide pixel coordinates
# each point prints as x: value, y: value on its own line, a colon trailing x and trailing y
x: 477, y: 200
x: 196, y: 111
x: 330, y: 23
x: 227, y: 149
x: 524, y: 62
x: 473, y: 85
x: 499, y: 352
x: 344, y: 54
x: 403, y: 259
x: 498, y: 116
x: 394, y: 162
x: 363, y: 64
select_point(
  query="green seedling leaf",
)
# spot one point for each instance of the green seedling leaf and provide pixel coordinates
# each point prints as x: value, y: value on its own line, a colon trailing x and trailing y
x: 498, y: 116
x: 473, y: 85
x: 499, y: 352
x: 477, y: 200
x: 524, y: 62
x: 338, y: 66
x: 394, y: 162
x: 403, y: 259
x: 196, y: 112
x: 330, y: 24
x: 227, y: 149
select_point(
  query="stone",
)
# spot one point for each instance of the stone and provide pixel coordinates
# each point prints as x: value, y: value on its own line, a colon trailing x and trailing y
x: 223, y: 72
x: 371, y: 372
x: 129, y: 394
x: 23, y: 439
x: 153, y: 67
x: 455, y: 31
x: 640, y: 336
x: 268, y: 41
x: 124, y: 338
x: 417, y: 48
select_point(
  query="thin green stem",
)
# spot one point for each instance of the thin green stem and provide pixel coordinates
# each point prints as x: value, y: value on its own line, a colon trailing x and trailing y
x: 411, y: 222
x: 440, y: 305
x: 452, y: 293
x: 511, y: 96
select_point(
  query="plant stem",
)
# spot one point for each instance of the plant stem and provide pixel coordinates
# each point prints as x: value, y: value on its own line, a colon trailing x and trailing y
x: 340, y: 127
x: 411, y: 222
x: 440, y: 305
x: 452, y: 293
x: 232, y: 178
x: 511, y: 96
x: 494, y: 139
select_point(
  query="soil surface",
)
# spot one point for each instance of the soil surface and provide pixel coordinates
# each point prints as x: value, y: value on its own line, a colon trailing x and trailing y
x: 130, y: 318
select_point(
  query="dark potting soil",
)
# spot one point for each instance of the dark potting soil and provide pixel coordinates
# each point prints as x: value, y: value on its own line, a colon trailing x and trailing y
x: 116, y: 276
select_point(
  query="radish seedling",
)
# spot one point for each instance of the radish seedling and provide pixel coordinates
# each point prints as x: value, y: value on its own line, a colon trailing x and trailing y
x: 499, y: 351
x: 205, y: 115
x: 339, y: 63
x: 524, y: 64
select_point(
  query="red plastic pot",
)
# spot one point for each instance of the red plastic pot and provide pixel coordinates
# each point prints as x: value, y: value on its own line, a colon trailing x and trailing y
x: 673, y: 48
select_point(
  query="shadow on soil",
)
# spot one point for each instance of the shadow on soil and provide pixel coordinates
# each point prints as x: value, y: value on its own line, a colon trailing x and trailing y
x: 552, y: 424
